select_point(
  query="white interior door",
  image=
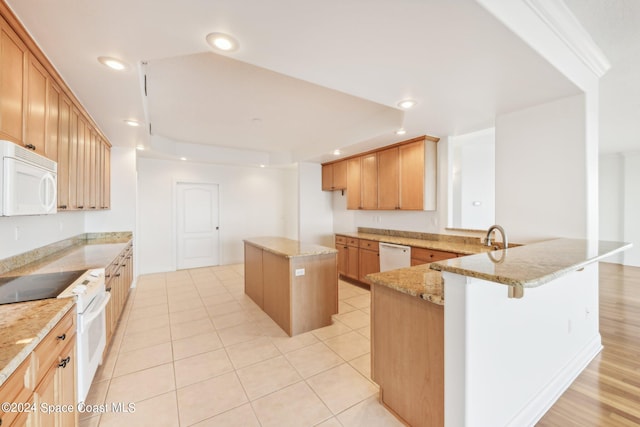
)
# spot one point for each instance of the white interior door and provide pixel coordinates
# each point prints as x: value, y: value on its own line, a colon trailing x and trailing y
x: 197, y: 228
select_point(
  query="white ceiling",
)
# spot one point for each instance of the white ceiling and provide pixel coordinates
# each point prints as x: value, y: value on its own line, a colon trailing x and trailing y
x: 456, y: 60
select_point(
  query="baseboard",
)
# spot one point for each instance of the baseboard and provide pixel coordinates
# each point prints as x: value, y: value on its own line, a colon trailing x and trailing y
x: 540, y: 404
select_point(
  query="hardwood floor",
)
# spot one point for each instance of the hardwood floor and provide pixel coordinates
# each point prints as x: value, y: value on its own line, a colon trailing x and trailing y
x: 607, y: 393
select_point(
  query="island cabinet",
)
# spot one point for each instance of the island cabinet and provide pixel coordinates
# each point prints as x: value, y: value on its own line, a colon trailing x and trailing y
x: 407, y: 355
x: 45, y: 379
x: 294, y: 283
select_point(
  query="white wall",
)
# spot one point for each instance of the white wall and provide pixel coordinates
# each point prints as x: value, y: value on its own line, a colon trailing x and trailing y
x: 632, y: 207
x: 122, y: 215
x: 611, y: 192
x: 315, y: 219
x: 541, y: 171
x: 37, y: 231
x: 253, y: 202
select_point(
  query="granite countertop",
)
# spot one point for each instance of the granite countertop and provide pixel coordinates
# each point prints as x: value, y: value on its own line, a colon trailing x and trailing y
x: 438, y: 245
x: 534, y: 264
x: 418, y: 281
x: 22, y: 327
x: 289, y: 248
x: 83, y: 256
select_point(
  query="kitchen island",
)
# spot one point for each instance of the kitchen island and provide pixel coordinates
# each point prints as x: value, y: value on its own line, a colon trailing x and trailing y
x: 520, y: 325
x: 295, y: 283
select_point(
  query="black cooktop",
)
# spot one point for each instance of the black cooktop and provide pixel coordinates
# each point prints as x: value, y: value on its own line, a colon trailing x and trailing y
x: 36, y: 286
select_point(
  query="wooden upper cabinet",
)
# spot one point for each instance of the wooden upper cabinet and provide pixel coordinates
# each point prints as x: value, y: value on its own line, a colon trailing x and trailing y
x: 412, y: 174
x: 64, y: 116
x: 354, y: 199
x: 93, y: 173
x: 74, y: 203
x: 82, y: 168
x: 334, y: 176
x: 106, y: 183
x: 388, y: 179
x: 369, y: 183
x: 13, y: 60
x: 36, y: 117
x: 53, y: 121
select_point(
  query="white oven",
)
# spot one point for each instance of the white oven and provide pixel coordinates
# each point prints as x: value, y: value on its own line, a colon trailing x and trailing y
x: 91, y: 301
x: 28, y: 183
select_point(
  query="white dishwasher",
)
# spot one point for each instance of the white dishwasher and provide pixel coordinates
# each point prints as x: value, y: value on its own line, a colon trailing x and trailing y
x: 394, y: 256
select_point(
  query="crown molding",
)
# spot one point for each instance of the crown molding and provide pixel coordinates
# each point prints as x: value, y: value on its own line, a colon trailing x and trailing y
x: 559, y: 18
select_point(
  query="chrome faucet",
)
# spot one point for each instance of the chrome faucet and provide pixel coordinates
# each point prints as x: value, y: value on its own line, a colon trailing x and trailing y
x: 502, y: 232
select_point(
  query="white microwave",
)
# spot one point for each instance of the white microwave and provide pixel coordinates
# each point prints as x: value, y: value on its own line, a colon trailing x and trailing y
x: 28, y: 182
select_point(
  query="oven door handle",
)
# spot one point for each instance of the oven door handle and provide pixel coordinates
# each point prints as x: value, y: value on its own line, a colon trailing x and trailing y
x: 96, y: 310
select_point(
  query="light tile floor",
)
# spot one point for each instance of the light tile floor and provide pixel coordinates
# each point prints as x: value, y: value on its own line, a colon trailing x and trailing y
x: 191, y: 349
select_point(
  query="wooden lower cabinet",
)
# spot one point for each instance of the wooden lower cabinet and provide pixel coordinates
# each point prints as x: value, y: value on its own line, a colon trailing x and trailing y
x: 118, y: 279
x: 46, y: 379
x: 368, y: 259
x: 426, y: 256
x: 407, y: 355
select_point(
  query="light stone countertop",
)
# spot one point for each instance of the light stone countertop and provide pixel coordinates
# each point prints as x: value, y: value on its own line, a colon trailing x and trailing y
x: 22, y: 327
x: 418, y: 281
x: 534, y: 264
x: 289, y: 248
x: 438, y: 245
x: 24, y: 324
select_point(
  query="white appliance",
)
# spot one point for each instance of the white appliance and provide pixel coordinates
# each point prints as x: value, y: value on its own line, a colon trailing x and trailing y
x: 28, y: 182
x: 394, y: 256
x: 91, y: 301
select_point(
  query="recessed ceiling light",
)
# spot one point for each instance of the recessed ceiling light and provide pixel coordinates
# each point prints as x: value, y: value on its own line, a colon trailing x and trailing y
x: 133, y: 123
x: 336, y: 152
x: 222, y: 42
x: 183, y: 158
x: 261, y: 166
x: 401, y: 131
x: 407, y: 103
x: 140, y: 147
x: 113, y: 63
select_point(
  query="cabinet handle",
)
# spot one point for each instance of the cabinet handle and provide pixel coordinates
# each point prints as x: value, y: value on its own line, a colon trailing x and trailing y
x: 62, y: 207
x: 108, y: 289
x: 93, y: 207
x: 63, y: 362
x: 80, y: 207
x: 62, y: 337
x: 106, y: 276
x: 30, y: 147
x: 118, y: 275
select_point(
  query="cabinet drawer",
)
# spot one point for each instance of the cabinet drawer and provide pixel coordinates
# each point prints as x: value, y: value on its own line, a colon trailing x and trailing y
x: 341, y: 240
x: 53, y: 344
x: 352, y: 241
x: 430, y: 255
x: 371, y: 245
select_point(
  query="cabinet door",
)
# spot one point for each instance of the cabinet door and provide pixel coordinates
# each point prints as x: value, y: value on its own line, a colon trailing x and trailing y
x: 46, y: 394
x: 327, y: 177
x: 63, y: 152
x: 412, y: 176
x: 65, y: 383
x: 74, y: 203
x: 369, y: 263
x: 352, y: 262
x: 253, y: 274
x: 343, y: 258
x: 99, y: 173
x: 106, y: 182
x: 13, y: 59
x: 369, y: 184
x: 388, y: 179
x: 53, y: 121
x: 36, y: 119
x: 81, y: 186
x: 340, y: 175
x: 354, y: 200
x: 92, y: 172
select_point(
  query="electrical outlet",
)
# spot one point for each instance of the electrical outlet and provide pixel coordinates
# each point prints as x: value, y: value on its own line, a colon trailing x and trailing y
x: 299, y: 272
x: 17, y: 233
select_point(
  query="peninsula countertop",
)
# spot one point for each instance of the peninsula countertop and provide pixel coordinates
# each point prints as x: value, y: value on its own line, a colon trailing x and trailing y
x: 534, y: 264
x: 289, y: 248
x: 418, y: 281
